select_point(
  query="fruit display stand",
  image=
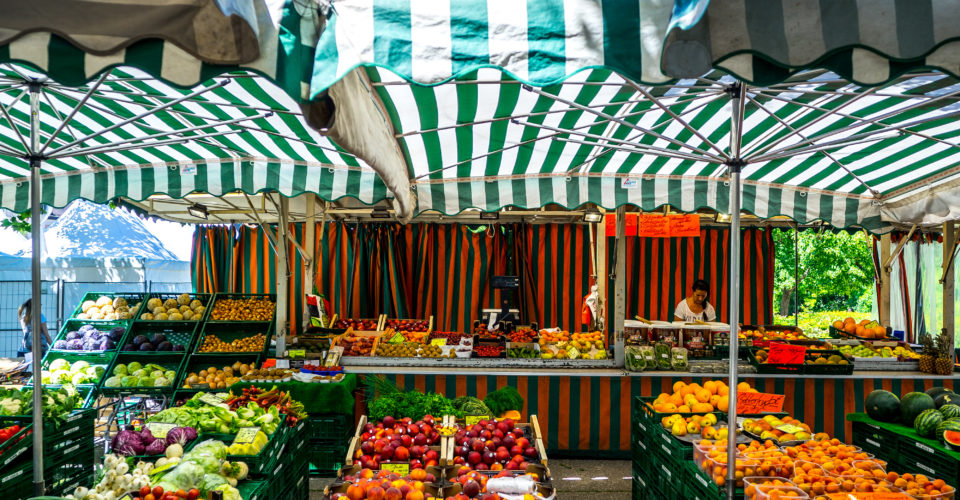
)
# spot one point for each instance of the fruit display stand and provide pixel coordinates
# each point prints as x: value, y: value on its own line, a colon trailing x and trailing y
x: 178, y: 301
x: 132, y: 300
x: 215, y: 338
x: 146, y: 337
x: 74, y: 325
x: 242, y: 308
x: 902, y: 446
x: 172, y: 363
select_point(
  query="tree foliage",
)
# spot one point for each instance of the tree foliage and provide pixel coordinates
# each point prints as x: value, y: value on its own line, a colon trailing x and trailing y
x: 835, y: 270
x: 19, y: 223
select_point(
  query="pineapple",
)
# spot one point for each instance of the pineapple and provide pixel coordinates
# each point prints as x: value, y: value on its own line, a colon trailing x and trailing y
x: 944, y: 362
x: 927, y: 355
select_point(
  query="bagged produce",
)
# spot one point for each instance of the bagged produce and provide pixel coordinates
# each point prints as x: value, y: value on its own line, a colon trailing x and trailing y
x: 662, y: 352
x: 649, y: 357
x: 633, y: 358
x: 678, y: 359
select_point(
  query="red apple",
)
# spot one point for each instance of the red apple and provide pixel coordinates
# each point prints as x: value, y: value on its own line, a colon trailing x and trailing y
x: 503, y: 455
x: 388, y: 421
x: 503, y: 427
x: 402, y: 454
x: 420, y: 440
x: 477, y: 445
x: 474, y: 457
x: 459, y: 460
x: 416, y: 464
x: 431, y: 455
x: 530, y: 452
x: 489, y: 457
x: 406, y: 441
x: 509, y: 442
x: 367, y: 448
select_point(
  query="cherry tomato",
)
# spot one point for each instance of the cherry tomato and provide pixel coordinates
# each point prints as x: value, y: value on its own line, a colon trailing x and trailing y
x: 193, y: 494
x: 157, y: 492
x: 144, y: 491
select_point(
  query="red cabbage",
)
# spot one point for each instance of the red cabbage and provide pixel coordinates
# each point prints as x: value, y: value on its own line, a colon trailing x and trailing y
x: 181, y: 435
x: 157, y: 447
x: 147, y: 437
x: 127, y: 443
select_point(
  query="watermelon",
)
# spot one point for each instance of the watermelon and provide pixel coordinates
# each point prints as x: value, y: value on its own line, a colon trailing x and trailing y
x: 912, y: 405
x: 883, y: 406
x: 951, y: 438
x: 950, y: 411
x: 926, y: 422
x: 946, y: 399
x: 933, y: 392
x: 953, y: 425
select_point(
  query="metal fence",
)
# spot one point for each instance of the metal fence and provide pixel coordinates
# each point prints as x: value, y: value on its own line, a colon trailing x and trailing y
x: 58, y: 300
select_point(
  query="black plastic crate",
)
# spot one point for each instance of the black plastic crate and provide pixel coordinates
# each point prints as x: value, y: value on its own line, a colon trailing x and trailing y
x: 825, y: 369
x: 242, y: 296
x: 772, y: 368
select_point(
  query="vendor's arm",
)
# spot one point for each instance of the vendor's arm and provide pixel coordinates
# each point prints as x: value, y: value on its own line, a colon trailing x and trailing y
x: 46, y: 334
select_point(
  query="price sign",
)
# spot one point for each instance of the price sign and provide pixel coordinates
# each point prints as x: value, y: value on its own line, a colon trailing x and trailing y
x: 160, y: 429
x: 630, y: 224
x: 682, y: 226
x: 438, y: 342
x: 786, y: 354
x: 398, y: 469
x: 246, y: 435
x: 397, y: 338
x: 788, y: 428
x: 573, y: 353
x: 297, y: 353
x: 653, y: 226
x: 754, y: 403
x: 213, y: 400
x: 474, y: 419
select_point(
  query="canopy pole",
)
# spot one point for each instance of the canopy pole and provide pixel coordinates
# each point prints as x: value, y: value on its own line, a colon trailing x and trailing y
x: 310, y: 243
x: 602, y: 280
x: 949, y: 240
x: 36, y: 311
x: 283, y: 276
x: 620, y: 286
x: 738, y: 93
x: 884, y: 303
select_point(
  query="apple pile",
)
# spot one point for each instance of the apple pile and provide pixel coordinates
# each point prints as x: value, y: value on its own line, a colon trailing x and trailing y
x: 399, y: 441
x: 357, y: 324
x: 493, y: 445
x: 408, y: 325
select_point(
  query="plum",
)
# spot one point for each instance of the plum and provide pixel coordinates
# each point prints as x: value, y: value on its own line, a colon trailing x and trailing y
x: 158, y: 338
x: 147, y: 346
x: 140, y: 339
x: 164, y: 346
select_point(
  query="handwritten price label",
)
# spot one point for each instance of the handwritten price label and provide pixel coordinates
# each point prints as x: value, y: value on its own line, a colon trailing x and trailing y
x: 213, y: 400
x: 684, y: 226
x: 438, y: 342
x: 786, y: 354
x: 754, y: 403
x: 397, y: 338
x: 399, y: 469
x: 474, y: 419
x: 653, y: 226
x: 246, y: 435
x: 298, y: 353
x: 788, y: 428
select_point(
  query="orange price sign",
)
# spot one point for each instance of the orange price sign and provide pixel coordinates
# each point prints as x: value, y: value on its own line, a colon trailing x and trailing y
x: 653, y: 226
x: 682, y: 226
x: 786, y: 354
x: 755, y: 403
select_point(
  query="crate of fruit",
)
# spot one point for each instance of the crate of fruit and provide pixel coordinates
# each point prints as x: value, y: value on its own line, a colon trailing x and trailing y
x: 360, y: 325
x: 90, y: 336
x: 175, y: 307
x: 523, y: 335
x: 160, y: 338
x: 131, y: 374
x: 76, y: 369
x: 359, y: 343
x: 762, y: 335
x: 228, y: 339
x: 827, y: 363
x: 218, y: 373
x: 242, y: 308
x: 758, y: 358
x: 99, y: 306
x: 489, y: 348
x: 414, y: 330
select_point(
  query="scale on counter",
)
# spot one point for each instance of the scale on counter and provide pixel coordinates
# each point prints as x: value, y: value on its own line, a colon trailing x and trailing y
x: 508, y: 312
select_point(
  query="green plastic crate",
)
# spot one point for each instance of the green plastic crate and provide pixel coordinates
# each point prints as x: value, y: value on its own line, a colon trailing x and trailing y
x: 204, y: 298
x: 131, y: 297
x: 184, y: 333
x: 103, y: 359
x: 228, y: 332
x: 15, y: 448
x: 253, y: 490
x: 331, y: 429
x: 76, y: 324
x: 174, y: 363
x: 197, y: 362
x: 326, y: 461
x: 242, y: 296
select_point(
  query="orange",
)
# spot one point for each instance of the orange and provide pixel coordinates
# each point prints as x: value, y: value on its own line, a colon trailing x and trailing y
x: 724, y: 404
x: 678, y: 385
x: 676, y: 399
x: 703, y: 395
x: 861, y: 331
x: 711, y: 386
x: 683, y: 409
x: 743, y: 386
x: 838, y: 325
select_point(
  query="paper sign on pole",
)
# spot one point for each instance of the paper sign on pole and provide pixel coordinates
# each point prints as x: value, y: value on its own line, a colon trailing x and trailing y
x: 786, y: 354
x: 610, y: 223
x: 755, y: 403
x: 682, y: 226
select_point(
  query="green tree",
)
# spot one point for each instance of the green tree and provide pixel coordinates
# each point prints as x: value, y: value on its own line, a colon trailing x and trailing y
x: 835, y: 270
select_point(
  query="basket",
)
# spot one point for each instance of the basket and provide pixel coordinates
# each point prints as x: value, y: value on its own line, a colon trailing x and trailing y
x: 204, y: 298
x: 176, y: 332
x: 195, y: 363
x: 241, y: 296
x: 131, y: 298
x: 228, y: 332
x: 174, y: 363
x: 101, y: 325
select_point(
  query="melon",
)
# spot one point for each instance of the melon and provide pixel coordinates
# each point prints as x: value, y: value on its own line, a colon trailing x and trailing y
x: 951, y: 438
x: 950, y: 410
x: 933, y: 392
x: 946, y: 399
x: 912, y: 405
x: 952, y: 425
x: 883, y: 406
x: 926, y: 422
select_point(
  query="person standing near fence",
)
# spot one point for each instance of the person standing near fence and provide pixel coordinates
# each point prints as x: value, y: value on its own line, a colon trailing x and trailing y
x: 25, y: 313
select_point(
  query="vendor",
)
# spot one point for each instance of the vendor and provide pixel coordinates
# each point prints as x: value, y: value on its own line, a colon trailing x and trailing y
x: 696, y: 307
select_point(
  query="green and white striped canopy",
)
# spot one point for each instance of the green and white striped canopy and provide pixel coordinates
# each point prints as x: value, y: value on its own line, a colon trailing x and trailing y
x: 134, y: 136
x: 817, y: 147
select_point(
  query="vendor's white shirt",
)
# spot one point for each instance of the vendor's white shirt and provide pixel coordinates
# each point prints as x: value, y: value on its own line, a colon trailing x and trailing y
x: 683, y: 312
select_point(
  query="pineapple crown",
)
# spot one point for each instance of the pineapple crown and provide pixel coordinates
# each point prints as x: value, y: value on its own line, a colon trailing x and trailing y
x: 927, y: 348
x: 943, y: 347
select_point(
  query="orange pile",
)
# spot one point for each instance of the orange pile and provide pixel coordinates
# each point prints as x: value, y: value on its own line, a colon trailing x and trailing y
x: 552, y: 336
x: 692, y: 398
x: 771, y: 488
x: 861, y: 329
x: 919, y: 485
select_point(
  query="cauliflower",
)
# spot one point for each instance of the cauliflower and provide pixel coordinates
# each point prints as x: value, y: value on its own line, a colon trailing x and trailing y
x: 10, y: 407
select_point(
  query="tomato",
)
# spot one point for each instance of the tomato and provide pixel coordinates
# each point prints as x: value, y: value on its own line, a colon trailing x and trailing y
x: 181, y: 493
x: 193, y: 494
x: 157, y: 492
x: 144, y: 491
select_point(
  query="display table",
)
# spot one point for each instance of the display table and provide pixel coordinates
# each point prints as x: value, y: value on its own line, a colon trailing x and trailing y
x: 906, y: 450
x: 317, y: 398
x: 586, y: 412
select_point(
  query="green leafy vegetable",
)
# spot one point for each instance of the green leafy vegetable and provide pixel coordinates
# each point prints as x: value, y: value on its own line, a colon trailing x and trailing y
x: 503, y: 400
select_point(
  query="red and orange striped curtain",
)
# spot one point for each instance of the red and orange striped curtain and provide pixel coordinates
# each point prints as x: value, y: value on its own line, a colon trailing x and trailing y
x: 444, y: 270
